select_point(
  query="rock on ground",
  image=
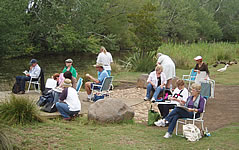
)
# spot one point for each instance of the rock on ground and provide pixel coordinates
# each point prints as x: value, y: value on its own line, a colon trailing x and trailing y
x: 110, y: 111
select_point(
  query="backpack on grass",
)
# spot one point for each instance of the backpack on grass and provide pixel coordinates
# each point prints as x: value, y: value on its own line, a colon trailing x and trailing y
x: 16, y: 88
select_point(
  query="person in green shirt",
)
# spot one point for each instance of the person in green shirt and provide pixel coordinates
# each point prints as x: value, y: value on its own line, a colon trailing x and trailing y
x: 70, y: 68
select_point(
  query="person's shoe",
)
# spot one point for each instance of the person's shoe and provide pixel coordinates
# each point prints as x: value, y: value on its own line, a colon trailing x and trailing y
x: 21, y: 92
x: 153, y: 100
x: 160, y: 123
x: 146, y: 98
x: 67, y: 119
x: 167, y: 135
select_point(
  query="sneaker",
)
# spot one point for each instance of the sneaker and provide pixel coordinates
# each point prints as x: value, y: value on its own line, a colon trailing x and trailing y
x: 67, y: 119
x: 153, y: 100
x: 160, y: 123
x: 21, y: 92
x: 146, y: 98
x: 167, y: 135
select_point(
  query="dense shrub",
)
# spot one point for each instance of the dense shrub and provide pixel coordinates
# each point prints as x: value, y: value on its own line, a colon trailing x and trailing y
x: 5, y: 143
x: 19, y: 110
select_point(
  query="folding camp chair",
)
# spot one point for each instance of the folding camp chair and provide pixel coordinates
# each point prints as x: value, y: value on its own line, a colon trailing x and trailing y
x: 190, y: 78
x: 104, y: 88
x: 36, y: 82
x: 207, y: 89
x: 200, y: 119
x: 79, y: 84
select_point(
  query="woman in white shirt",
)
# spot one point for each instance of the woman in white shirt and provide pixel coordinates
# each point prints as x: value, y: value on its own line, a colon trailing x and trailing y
x: 69, y: 104
x: 180, y: 95
x: 105, y: 58
x: 157, y: 81
x: 169, y: 67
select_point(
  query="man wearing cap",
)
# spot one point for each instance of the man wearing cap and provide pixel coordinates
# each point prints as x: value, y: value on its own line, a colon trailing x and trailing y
x: 70, y: 68
x: 34, y: 72
x: 200, y: 66
x: 69, y: 104
x: 102, y: 74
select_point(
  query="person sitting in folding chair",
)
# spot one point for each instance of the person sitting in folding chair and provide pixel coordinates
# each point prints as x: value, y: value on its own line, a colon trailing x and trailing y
x: 102, y: 74
x: 195, y: 103
x: 34, y: 72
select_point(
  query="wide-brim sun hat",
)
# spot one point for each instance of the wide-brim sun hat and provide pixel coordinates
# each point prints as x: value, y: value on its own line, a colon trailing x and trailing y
x: 67, y: 83
x: 69, y: 61
x: 198, y: 58
x: 98, y: 65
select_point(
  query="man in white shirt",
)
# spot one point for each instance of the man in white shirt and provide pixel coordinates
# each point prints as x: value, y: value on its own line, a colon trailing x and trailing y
x: 105, y: 58
x: 34, y: 72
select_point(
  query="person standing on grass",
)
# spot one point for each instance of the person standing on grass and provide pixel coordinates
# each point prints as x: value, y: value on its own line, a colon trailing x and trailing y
x: 105, y: 58
x: 69, y: 104
x: 34, y: 72
x: 157, y: 81
x: 102, y: 74
x: 169, y: 68
x: 201, y: 66
x: 70, y: 68
x: 194, y: 103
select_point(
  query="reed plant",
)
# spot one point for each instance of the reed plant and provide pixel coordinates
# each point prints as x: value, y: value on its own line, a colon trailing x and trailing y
x: 183, y: 54
x: 19, y: 110
x: 5, y: 143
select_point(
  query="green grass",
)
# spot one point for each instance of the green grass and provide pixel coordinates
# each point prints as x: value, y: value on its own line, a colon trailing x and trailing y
x: 81, y: 134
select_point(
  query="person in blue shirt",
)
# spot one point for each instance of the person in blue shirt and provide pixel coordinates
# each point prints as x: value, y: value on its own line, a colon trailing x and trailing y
x: 102, y: 74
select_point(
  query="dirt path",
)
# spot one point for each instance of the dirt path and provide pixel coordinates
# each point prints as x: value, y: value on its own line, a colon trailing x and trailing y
x: 220, y: 111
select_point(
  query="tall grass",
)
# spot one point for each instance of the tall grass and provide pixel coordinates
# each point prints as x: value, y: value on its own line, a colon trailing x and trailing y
x: 183, y: 54
x: 19, y: 110
x: 5, y: 143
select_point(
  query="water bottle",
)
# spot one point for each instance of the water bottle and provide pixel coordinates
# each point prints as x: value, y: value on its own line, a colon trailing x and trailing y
x: 207, y: 134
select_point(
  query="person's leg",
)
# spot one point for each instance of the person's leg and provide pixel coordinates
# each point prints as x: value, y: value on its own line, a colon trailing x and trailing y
x: 88, y: 87
x: 169, y: 82
x: 164, y: 109
x: 23, y: 82
x: 149, y: 89
x: 18, y: 79
x: 63, y: 109
x: 157, y: 91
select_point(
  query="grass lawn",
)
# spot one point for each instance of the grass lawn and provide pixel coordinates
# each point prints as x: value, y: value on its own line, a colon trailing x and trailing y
x: 81, y: 134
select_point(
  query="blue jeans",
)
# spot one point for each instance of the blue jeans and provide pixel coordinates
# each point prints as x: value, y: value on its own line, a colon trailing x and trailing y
x: 65, y: 110
x: 149, y: 89
x: 176, y: 114
x: 21, y: 80
x: 157, y: 91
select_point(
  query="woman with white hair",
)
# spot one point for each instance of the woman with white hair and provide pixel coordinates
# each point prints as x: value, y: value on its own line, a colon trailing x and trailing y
x: 105, y: 58
x: 169, y: 67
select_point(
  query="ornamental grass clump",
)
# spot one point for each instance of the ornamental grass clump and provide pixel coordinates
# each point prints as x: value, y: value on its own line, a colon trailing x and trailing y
x: 5, y: 143
x: 19, y: 110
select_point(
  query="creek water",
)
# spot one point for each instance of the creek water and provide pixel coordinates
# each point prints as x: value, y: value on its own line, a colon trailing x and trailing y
x: 82, y: 62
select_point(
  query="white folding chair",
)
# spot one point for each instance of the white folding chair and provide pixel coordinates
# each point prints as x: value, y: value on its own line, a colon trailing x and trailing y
x: 190, y: 78
x: 104, y: 88
x: 200, y: 119
x: 35, y: 82
x: 79, y: 84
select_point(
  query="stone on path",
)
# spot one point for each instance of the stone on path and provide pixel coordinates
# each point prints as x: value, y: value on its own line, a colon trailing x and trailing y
x: 110, y: 111
x: 142, y: 81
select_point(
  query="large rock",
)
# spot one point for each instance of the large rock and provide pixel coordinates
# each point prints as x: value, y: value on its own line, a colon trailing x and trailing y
x: 110, y: 111
x: 142, y: 81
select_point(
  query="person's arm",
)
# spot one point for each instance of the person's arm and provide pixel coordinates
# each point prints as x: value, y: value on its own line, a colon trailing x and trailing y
x: 93, y: 79
x: 63, y: 95
x: 163, y: 78
x: 74, y: 73
x: 206, y: 69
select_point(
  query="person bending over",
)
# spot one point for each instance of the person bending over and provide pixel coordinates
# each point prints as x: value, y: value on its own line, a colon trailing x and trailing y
x: 180, y: 95
x: 102, y: 74
x: 69, y: 104
x: 34, y: 72
x: 194, y: 103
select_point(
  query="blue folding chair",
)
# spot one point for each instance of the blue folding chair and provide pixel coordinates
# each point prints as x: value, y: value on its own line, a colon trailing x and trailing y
x: 190, y: 78
x: 79, y: 84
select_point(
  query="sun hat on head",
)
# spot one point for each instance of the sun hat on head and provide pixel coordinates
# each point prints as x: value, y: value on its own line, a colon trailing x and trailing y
x: 98, y: 65
x: 69, y: 61
x: 33, y: 61
x: 67, y: 83
x: 198, y: 58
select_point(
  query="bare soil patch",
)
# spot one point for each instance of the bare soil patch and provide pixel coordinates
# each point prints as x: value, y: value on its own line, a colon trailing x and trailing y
x: 220, y: 111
